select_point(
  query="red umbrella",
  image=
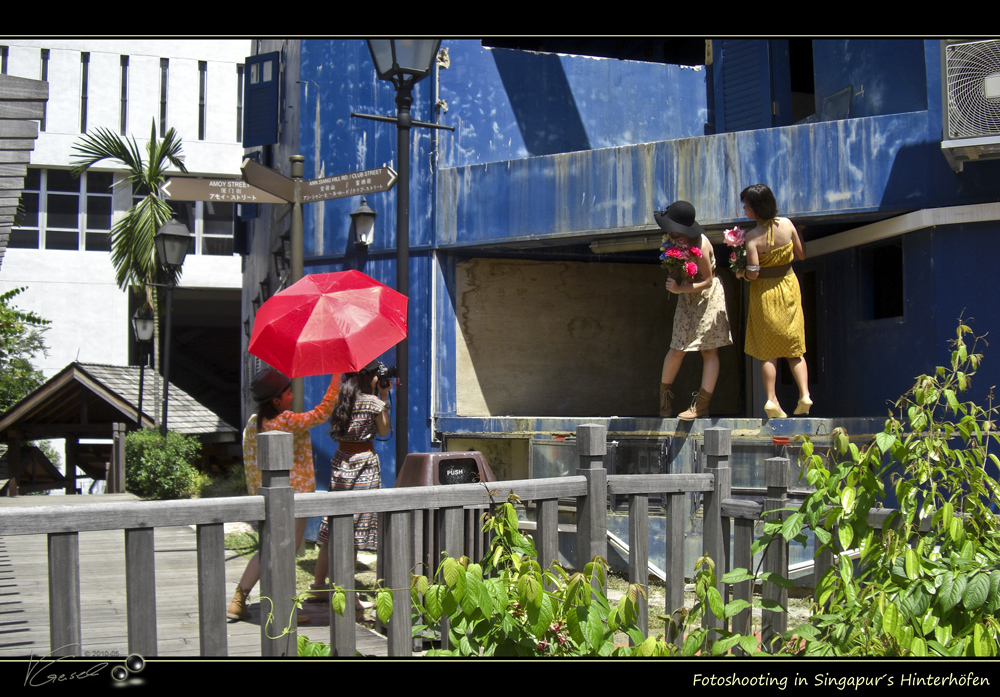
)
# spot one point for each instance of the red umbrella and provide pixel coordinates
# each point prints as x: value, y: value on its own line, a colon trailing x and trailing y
x: 328, y: 323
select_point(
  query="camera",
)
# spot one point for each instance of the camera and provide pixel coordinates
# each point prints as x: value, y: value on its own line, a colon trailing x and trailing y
x: 385, y: 374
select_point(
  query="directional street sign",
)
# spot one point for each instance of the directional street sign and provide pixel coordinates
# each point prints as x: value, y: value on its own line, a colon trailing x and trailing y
x: 222, y: 190
x: 351, y: 184
x: 368, y: 181
x: 270, y: 181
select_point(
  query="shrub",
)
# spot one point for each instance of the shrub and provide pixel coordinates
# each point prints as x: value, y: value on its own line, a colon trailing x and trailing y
x: 161, y: 469
x: 928, y: 583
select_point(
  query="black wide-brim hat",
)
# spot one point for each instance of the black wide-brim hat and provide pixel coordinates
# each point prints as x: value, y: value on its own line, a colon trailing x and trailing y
x: 268, y: 384
x: 679, y: 218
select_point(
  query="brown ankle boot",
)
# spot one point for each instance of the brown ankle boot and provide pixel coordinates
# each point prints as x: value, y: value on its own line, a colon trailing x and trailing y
x: 238, y: 607
x: 666, y: 408
x: 699, y: 406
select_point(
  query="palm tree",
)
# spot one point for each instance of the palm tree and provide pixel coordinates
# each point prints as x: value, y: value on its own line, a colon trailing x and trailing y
x: 133, y: 251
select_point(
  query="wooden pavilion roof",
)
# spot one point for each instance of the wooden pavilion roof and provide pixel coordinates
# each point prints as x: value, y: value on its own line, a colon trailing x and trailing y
x: 85, y: 399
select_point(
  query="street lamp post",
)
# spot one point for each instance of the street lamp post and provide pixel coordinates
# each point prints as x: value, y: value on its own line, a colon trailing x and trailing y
x: 172, y: 240
x: 403, y: 62
x: 143, y: 325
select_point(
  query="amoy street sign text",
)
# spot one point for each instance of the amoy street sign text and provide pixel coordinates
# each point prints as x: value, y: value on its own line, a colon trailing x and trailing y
x: 221, y: 190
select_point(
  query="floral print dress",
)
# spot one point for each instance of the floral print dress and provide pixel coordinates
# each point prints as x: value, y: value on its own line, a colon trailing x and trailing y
x: 303, y: 475
x: 700, y: 320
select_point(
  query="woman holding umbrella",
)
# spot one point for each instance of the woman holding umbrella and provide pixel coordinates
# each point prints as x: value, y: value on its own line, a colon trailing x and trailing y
x: 272, y: 392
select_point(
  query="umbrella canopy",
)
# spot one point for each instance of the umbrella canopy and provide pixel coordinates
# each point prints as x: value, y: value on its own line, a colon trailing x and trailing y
x: 328, y: 323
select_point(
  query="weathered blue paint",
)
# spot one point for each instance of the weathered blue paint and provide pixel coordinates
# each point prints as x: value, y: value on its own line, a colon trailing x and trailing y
x: 884, y: 74
x: 560, y: 149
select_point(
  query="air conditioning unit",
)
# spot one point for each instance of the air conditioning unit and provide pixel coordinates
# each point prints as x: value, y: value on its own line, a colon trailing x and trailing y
x: 971, y: 92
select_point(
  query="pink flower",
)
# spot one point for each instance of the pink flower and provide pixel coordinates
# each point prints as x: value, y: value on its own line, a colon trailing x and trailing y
x: 691, y: 268
x: 675, y: 253
x: 734, y: 236
x: 732, y: 256
x: 696, y: 251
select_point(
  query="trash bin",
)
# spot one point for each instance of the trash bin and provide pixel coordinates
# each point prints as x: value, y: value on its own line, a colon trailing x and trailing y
x: 432, y: 469
x: 435, y: 469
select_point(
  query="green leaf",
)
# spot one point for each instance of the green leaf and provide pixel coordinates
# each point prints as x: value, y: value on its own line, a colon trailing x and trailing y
x: 977, y: 590
x: 891, y: 620
x: 749, y: 644
x: 383, y: 605
x: 845, y: 532
x: 912, y: 565
x: 847, y: 497
x: 885, y: 441
x: 792, y: 526
x: 737, y: 576
x: 735, y: 606
x: 715, y: 603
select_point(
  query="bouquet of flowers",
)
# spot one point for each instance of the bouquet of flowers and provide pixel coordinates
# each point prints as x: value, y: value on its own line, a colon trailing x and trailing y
x: 735, y: 238
x: 679, y: 261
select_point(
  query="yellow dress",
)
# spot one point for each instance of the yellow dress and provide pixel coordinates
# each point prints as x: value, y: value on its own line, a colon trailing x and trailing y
x: 775, y: 327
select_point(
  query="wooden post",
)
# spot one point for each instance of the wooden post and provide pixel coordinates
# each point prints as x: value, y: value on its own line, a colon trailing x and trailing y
x: 743, y: 559
x: 140, y: 591
x: 399, y: 563
x: 638, y: 554
x: 72, y: 456
x: 776, y: 478
x: 718, y: 445
x: 114, y: 480
x: 591, y: 510
x: 674, y: 564
x: 211, y: 589
x: 64, y: 594
x: 13, y: 460
x: 450, y: 534
x: 277, y: 546
x: 343, y: 634
x: 547, y: 533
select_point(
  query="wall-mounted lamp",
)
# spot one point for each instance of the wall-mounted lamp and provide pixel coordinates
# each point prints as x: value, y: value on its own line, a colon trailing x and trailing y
x: 363, y: 220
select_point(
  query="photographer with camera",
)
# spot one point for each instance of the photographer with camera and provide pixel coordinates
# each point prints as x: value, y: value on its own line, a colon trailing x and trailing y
x: 357, y: 417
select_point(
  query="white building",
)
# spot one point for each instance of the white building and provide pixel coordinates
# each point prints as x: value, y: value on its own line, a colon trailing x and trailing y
x: 60, y: 250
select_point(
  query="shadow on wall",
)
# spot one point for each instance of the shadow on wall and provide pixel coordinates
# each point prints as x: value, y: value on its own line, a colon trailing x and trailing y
x: 544, y: 107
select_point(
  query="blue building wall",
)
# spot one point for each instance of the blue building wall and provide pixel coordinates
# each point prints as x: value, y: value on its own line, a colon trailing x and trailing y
x: 552, y: 150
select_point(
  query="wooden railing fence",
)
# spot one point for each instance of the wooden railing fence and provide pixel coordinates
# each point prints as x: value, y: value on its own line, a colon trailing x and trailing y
x: 404, y: 541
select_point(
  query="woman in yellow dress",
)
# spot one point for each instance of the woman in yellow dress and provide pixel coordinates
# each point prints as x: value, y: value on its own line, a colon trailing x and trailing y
x: 775, y: 327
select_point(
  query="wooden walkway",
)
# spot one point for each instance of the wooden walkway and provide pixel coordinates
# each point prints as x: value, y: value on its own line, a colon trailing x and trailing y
x: 24, y: 618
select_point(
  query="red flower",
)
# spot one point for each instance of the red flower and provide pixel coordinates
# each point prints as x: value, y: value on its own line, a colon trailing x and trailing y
x: 675, y: 253
x: 696, y: 251
x: 691, y: 268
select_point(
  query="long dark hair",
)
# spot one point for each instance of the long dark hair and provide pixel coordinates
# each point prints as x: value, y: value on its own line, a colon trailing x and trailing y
x: 352, y: 384
x: 761, y: 201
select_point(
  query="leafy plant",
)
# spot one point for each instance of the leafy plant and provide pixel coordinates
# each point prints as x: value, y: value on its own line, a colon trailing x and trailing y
x: 20, y: 342
x: 158, y: 468
x: 509, y: 606
x: 927, y: 582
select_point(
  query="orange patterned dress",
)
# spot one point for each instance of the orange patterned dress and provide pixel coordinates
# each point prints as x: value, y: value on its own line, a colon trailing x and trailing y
x: 775, y: 325
x: 303, y: 476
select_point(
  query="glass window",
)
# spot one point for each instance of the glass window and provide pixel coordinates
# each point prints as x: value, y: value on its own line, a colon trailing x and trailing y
x: 217, y: 231
x: 58, y: 211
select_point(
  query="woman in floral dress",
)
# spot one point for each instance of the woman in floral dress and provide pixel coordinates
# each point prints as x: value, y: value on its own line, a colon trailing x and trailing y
x: 700, y: 321
x: 272, y: 392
